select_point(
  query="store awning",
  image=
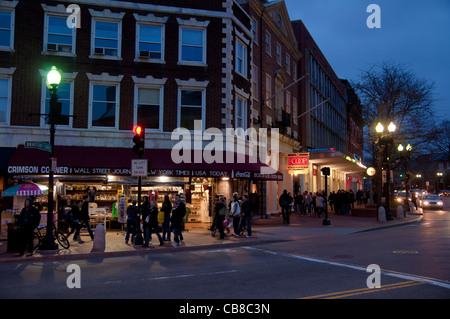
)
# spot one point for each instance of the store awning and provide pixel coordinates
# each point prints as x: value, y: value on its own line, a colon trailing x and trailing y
x: 337, y: 161
x: 90, y: 161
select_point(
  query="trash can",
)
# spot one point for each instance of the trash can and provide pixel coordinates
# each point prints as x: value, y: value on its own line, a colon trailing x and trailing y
x: 13, y: 238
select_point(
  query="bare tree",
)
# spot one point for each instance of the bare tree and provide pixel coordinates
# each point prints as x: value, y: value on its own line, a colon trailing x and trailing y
x: 390, y: 92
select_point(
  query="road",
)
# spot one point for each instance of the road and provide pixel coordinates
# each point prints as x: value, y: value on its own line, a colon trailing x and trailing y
x: 413, y: 260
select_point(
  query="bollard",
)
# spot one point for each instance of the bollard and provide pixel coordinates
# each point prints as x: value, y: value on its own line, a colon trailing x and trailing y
x: 381, y: 214
x: 400, y: 213
x: 99, y: 238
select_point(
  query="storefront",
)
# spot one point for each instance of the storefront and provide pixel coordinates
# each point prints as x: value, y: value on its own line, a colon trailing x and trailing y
x: 104, y: 174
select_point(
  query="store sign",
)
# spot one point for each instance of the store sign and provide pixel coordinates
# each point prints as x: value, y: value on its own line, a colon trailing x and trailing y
x: 298, y: 162
x: 64, y: 170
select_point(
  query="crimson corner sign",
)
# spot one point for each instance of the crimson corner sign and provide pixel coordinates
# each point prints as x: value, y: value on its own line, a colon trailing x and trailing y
x: 298, y: 161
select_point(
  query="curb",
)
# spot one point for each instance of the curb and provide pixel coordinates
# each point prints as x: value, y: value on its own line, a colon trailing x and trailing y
x: 391, y: 225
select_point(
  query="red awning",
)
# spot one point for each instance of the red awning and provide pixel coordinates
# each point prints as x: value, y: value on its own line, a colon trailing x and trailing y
x: 79, y: 160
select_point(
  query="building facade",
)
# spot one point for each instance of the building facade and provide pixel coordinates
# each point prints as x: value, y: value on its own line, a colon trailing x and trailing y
x: 164, y: 66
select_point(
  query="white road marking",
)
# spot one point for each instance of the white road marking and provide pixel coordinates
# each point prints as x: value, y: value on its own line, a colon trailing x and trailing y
x: 384, y: 272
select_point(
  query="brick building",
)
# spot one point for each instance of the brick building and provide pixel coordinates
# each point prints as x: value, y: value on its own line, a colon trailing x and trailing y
x: 129, y: 62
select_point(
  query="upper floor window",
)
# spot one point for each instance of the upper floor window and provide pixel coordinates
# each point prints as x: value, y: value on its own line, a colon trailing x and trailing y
x: 278, y: 54
x: 4, y: 100
x: 64, y: 97
x: 240, y: 119
x: 6, y: 26
x: 58, y: 37
x: 268, y: 43
x: 288, y: 64
x: 149, y: 107
x: 192, y: 42
x: 106, y: 34
x: 241, y: 58
x: 150, y: 38
x: 254, y: 25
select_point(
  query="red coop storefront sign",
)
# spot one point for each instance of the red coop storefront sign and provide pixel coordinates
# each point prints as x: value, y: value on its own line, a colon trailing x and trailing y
x: 298, y: 161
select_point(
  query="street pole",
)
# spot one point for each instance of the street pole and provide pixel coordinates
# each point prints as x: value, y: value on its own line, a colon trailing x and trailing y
x: 326, y: 221
x: 138, y: 240
x: 48, y: 242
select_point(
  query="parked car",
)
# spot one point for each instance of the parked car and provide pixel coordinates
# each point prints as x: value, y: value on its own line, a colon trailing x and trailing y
x: 430, y: 201
x: 444, y: 193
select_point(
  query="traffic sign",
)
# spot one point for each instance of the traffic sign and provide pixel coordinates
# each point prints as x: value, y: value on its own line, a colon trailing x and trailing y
x: 139, y: 167
x: 45, y: 146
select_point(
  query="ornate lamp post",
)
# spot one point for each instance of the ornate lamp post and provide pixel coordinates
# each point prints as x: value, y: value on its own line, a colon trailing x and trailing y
x: 405, y: 155
x: 386, y: 140
x: 53, y: 80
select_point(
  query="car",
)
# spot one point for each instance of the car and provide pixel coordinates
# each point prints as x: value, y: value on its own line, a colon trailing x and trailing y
x: 430, y: 201
x: 401, y: 195
x: 444, y: 193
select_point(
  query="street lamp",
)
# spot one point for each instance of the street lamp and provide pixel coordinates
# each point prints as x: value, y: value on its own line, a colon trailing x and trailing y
x: 53, y: 80
x: 385, y: 140
x: 405, y: 155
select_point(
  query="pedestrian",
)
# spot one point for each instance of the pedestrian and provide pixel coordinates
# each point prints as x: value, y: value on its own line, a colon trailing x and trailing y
x: 235, y: 213
x: 414, y: 199
x: 132, y: 221
x: 284, y: 204
x: 213, y: 227
x: 176, y: 220
x: 221, y: 212
x: 151, y: 224
x: 85, y: 216
x: 63, y: 219
x: 74, y: 219
x: 246, y: 217
x: 319, y: 204
x: 167, y: 209
x: 29, y: 219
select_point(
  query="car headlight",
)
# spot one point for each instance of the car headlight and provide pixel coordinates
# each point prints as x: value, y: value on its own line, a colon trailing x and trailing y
x: 425, y: 203
x: 440, y: 203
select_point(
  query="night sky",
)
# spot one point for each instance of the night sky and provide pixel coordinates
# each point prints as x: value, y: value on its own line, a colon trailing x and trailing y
x: 414, y: 33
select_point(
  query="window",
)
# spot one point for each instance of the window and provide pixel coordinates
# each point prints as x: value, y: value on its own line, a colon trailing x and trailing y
x: 240, y: 115
x: 254, y: 25
x: 294, y: 110
x: 64, y: 97
x: 288, y: 102
x: 278, y: 53
x: 268, y: 44
x: 104, y: 105
x: 255, y: 81
x: 6, y: 29
x: 241, y: 58
x: 58, y: 38
x: 268, y: 90
x: 288, y: 64
x: 4, y: 100
x: 149, y: 108
x: 106, y: 40
x: 192, y: 45
x: 191, y: 107
x: 150, y: 42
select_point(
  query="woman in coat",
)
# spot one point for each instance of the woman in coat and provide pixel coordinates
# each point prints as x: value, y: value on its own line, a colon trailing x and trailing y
x: 152, y: 224
x: 167, y: 209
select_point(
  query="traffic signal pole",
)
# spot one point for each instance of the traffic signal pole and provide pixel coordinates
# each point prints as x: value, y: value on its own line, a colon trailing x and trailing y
x: 326, y: 173
x: 138, y: 149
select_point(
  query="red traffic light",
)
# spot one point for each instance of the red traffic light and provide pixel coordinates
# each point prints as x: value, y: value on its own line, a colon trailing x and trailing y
x: 137, y: 129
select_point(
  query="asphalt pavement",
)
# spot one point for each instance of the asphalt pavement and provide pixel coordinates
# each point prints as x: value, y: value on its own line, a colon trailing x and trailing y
x: 198, y: 237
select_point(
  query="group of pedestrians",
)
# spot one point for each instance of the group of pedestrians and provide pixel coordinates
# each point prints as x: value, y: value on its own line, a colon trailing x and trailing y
x: 304, y: 204
x: 237, y: 215
x: 173, y: 220
x: 76, y: 216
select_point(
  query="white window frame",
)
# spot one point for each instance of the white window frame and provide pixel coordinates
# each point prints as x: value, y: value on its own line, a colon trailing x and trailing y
x: 268, y: 43
x: 244, y: 115
x: 185, y: 87
x: 192, y: 24
x: 161, y: 104
x: 243, y: 60
x: 288, y: 63
x: 254, y: 28
x: 152, y: 21
x: 58, y: 11
x: 287, y: 102
x: 66, y: 78
x: 9, y: 6
x: 6, y: 74
x: 255, y: 81
x: 104, y: 79
x: 266, y: 96
x: 106, y: 16
x: 278, y: 53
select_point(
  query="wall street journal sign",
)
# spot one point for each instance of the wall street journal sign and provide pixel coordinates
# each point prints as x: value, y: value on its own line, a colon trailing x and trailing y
x: 298, y: 161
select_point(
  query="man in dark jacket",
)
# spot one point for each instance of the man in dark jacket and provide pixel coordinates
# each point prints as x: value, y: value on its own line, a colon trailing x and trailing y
x: 132, y: 221
x: 284, y: 204
x: 246, y: 216
x: 221, y: 212
x: 85, y: 216
x: 29, y: 219
x: 178, y: 213
x: 152, y: 225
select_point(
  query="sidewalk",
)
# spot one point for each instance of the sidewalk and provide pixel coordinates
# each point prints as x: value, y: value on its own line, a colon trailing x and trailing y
x: 198, y: 237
